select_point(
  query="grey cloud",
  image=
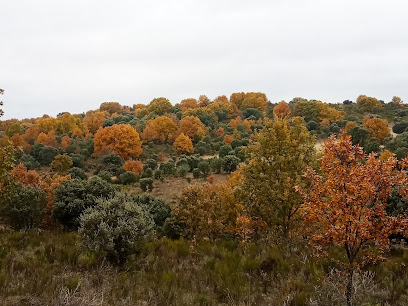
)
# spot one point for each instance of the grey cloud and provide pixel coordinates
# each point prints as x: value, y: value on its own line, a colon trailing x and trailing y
x: 72, y: 55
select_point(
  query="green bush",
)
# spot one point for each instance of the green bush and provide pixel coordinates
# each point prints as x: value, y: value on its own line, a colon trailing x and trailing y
x: 105, y: 175
x: 24, y: 206
x: 116, y: 227
x: 230, y: 163
x: 224, y: 150
x: 216, y: 165
x: 204, y: 167
x: 29, y: 162
x: 128, y: 178
x: 158, y: 174
x: 78, y: 160
x: 196, y: 173
x: 146, y: 184
x: 157, y: 208
x: 182, y: 170
x: 77, y: 173
x: 43, y: 154
x: 74, y: 196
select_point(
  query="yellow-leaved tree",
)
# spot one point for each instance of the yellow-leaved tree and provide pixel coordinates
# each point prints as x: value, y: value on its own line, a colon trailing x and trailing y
x: 183, y: 144
x: 122, y: 139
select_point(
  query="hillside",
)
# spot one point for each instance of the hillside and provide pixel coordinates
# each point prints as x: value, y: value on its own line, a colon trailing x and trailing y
x: 229, y: 201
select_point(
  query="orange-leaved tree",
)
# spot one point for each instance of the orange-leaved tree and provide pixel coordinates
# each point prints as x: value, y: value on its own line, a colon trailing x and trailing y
x: 111, y: 107
x: 134, y: 166
x: 377, y: 127
x: 94, y: 120
x: 183, y: 144
x: 191, y: 126
x: 160, y: 129
x: 347, y: 202
x: 282, y: 110
x: 122, y: 139
x: 188, y: 103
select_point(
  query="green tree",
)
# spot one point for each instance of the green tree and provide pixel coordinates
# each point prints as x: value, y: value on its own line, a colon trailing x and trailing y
x: 277, y: 161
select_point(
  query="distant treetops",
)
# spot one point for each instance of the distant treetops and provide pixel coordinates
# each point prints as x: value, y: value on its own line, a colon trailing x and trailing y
x: 122, y: 129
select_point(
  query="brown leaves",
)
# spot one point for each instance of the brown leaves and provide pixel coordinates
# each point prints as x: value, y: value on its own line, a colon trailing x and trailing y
x: 348, y: 200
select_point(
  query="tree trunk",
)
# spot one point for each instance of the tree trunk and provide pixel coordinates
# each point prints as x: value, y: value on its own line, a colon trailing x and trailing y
x: 349, y: 285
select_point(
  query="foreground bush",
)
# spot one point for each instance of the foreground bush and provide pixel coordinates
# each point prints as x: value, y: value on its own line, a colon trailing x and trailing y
x: 24, y: 206
x: 116, y: 227
x: 74, y: 196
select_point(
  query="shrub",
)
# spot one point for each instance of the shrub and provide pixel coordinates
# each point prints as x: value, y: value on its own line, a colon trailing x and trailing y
x: 196, y: 173
x: 158, y: 174
x: 204, y: 167
x: 74, y: 196
x: 312, y: 125
x: 77, y: 173
x: 157, y: 208
x: 230, y: 163
x: 182, y: 169
x: 29, y: 162
x: 105, y: 175
x: 128, y: 178
x: 43, y: 154
x: 113, y: 159
x: 168, y: 168
x: 236, y: 143
x: 24, y: 207
x: 78, y: 160
x: 400, y: 127
x: 146, y: 184
x: 151, y: 163
x: 224, y: 150
x: 117, y: 227
x: 216, y: 165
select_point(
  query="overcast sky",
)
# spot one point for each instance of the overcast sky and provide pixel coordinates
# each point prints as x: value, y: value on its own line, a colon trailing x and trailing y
x: 72, y: 55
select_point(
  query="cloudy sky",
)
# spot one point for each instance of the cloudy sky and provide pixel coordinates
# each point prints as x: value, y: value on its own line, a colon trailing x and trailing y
x: 72, y: 55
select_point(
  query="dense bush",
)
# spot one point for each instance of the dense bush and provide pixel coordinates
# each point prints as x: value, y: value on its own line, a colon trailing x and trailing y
x: 74, y: 196
x: 43, y: 154
x: 127, y: 178
x: 146, y: 184
x: 157, y: 208
x: 78, y: 160
x: 24, y: 206
x: 105, y: 175
x: 182, y: 170
x: 77, y: 173
x: 216, y: 164
x: 116, y: 226
x: 230, y: 163
x: 204, y: 167
x: 196, y: 173
x: 29, y: 162
x: 400, y: 127
x: 224, y: 150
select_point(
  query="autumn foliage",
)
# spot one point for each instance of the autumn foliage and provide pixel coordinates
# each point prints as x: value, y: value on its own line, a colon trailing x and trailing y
x: 183, y: 145
x: 282, y: 110
x: 122, y: 139
x: 377, y: 127
x: 134, y: 166
x: 191, y: 126
x: 347, y: 202
x: 160, y: 129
